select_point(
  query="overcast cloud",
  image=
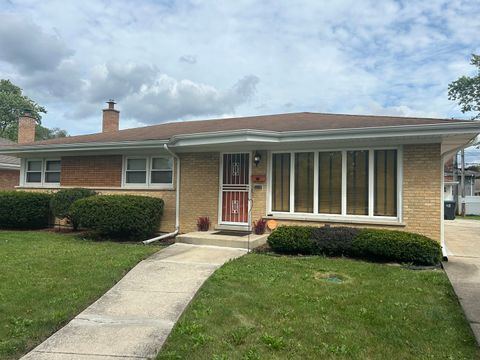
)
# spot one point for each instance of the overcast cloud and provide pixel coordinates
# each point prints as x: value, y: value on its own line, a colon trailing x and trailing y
x: 168, y: 60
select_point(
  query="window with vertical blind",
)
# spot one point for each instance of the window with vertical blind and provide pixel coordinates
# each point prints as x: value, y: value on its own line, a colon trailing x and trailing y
x: 350, y: 183
x: 330, y: 182
x: 385, y: 180
x: 357, y: 182
x: 281, y: 182
x: 304, y: 170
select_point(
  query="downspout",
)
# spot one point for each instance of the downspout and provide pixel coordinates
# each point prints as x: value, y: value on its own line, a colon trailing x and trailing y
x: 177, y: 202
x: 442, y: 210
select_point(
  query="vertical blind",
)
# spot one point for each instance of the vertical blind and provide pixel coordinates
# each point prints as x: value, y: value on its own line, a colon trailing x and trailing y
x: 385, y: 175
x: 304, y: 182
x: 328, y: 185
x: 281, y: 182
x: 357, y: 182
x: 330, y: 182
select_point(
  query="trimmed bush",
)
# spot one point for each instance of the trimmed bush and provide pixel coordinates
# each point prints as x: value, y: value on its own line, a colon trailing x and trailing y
x: 24, y: 210
x: 62, y: 201
x: 334, y: 241
x: 120, y: 216
x: 373, y: 244
x: 397, y: 246
x: 292, y: 240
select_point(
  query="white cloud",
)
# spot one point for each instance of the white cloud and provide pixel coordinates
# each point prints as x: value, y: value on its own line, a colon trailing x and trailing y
x: 176, y: 59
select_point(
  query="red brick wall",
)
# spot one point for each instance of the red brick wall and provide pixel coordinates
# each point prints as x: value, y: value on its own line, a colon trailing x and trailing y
x: 92, y: 171
x: 9, y: 179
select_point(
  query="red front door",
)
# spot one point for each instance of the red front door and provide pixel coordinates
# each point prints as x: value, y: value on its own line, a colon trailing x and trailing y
x: 235, y: 188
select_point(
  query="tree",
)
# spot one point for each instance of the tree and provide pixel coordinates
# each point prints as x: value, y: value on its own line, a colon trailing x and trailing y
x: 43, y: 133
x: 12, y: 105
x: 466, y: 90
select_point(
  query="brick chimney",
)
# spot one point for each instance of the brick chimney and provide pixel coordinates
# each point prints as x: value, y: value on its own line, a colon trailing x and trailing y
x: 26, y: 128
x: 111, y: 117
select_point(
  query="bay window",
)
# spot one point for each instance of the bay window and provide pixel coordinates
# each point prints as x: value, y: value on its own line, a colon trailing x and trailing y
x: 148, y: 171
x: 350, y: 183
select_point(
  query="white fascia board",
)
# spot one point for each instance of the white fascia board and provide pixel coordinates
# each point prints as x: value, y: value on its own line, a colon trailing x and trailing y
x: 7, y: 166
x: 312, y: 135
x: 92, y: 146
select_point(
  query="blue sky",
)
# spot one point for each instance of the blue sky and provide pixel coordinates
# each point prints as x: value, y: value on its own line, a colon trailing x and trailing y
x: 169, y: 60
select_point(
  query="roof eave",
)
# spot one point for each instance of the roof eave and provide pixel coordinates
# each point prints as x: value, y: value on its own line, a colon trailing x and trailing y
x: 253, y: 135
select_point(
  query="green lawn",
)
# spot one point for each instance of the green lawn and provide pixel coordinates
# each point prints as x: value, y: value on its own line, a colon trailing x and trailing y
x: 469, y: 217
x: 46, y: 279
x: 267, y: 307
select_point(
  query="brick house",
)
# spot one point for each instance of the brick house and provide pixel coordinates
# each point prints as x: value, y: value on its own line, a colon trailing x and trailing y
x: 9, y: 169
x: 308, y: 168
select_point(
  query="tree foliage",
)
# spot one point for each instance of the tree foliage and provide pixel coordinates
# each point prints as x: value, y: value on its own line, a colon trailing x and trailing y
x: 466, y: 90
x: 12, y: 105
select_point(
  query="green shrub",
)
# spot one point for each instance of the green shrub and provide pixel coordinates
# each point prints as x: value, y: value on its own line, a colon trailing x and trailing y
x: 397, y: 246
x: 24, y: 210
x: 379, y: 245
x: 62, y: 201
x: 120, y: 216
x: 334, y: 241
x: 292, y: 240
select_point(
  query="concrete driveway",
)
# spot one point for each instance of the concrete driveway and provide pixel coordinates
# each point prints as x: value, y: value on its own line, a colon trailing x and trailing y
x: 462, y: 238
x: 133, y: 319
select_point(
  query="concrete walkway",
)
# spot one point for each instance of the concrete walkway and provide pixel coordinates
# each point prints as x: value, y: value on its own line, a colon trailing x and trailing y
x: 463, y: 267
x: 133, y: 319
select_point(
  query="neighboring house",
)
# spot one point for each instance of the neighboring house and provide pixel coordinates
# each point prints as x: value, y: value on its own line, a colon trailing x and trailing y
x: 9, y: 168
x: 452, y: 187
x: 300, y: 168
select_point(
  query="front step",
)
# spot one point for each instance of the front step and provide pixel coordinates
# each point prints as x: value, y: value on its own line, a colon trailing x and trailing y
x: 210, y: 238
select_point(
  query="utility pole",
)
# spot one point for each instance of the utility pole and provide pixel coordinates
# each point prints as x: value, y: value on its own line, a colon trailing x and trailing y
x: 462, y: 184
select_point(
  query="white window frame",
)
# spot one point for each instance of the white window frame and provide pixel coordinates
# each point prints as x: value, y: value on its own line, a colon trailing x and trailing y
x: 343, y: 217
x: 152, y: 170
x: 148, y: 181
x: 42, y: 183
x: 45, y: 171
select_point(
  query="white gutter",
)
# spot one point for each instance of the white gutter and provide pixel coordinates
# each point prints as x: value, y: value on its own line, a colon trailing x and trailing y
x: 444, y: 158
x: 177, y: 202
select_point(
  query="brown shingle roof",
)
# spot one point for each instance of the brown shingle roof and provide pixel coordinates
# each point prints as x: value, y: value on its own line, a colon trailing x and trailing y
x: 4, y: 159
x: 280, y: 123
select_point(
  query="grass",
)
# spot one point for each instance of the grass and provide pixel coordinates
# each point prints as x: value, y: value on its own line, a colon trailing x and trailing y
x: 469, y: 217
x: 268, y: 307
x: 46, y: 279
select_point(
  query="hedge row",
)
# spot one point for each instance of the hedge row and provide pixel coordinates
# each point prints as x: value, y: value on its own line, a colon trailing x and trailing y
x: 113, y: 216
x: 24, y: 210
x: 374, y: 244
x: 120, y: 216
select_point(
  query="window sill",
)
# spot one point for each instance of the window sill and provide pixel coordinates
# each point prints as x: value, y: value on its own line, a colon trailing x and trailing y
x: 56, y: 187
x: 148, y: 188
x: 40, y: 186
x: 338, y: 219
